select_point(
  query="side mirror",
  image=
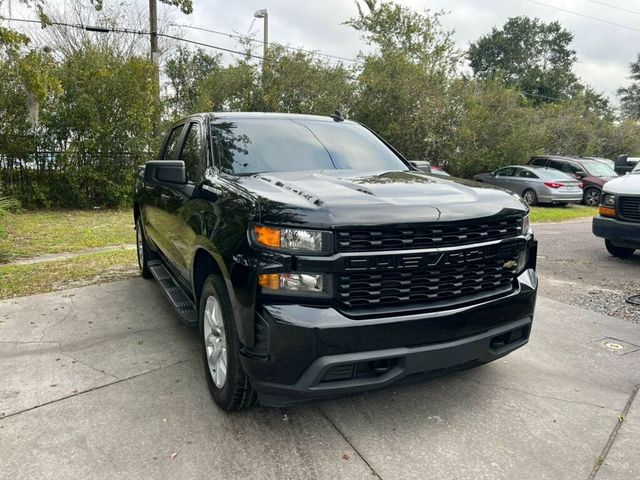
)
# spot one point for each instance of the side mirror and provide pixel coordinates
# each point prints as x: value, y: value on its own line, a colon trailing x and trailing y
x: 165, y: 172
x: 493, y: 174
x: 423, y: 165
x: 580, y: 174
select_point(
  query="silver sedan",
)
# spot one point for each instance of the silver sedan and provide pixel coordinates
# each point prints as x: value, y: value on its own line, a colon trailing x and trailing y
x: 536, y: 184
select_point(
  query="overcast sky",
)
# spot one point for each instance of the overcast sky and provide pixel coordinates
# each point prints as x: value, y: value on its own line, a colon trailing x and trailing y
x: 604, y: 50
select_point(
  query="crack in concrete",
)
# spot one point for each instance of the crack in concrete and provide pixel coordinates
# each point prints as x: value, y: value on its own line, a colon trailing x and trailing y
x: 613, y: 435
x: 62, y: 352
x: 71, y: 305
x: 99, y: 387
x: 346, y: 439
x: 533, y: 394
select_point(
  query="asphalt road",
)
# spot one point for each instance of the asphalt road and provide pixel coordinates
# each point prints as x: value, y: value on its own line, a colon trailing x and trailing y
x: 575, y: 267
x: 103, y: 382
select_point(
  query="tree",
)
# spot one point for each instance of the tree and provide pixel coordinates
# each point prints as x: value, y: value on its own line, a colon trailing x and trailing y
x: 495, y: 128
x: 532, y: 56
x: 186, y: 70
x: 630, y: 96
x: 403, y: 86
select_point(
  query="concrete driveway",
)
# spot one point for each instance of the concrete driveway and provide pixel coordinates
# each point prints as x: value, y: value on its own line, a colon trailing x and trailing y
x: 103, y: 382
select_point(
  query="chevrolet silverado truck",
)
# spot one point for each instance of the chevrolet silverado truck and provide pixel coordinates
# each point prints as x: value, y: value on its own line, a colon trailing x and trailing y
x: 316, y: 261
x: 618, y: 221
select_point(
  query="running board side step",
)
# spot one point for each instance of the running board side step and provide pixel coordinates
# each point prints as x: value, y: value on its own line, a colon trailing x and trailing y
x: 180, y: 301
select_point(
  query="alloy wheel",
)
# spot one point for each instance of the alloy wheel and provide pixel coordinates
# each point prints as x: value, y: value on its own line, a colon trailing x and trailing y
x: 140, y: 245
x: 592, y: 198
x: 215, y: 341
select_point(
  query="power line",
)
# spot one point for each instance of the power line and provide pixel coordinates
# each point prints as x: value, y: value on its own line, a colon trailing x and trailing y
x: 100, y: 29
x: 584, y: 16
x: 615, y: 7
x: 231, y: 35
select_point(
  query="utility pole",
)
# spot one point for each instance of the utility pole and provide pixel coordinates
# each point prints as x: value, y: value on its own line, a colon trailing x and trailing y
x: 265, y: 31
x: 155, y: 56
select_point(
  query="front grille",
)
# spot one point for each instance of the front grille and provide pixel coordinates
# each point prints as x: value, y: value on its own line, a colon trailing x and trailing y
x: 423, y: 286
x: 630, y: 208
x: 429, y: 235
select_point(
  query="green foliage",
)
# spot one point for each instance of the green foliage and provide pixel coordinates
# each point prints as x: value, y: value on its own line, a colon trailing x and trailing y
x: 531, y: 55
x: 403, y: 88
x: 495, y: 129
x: 630, y: 96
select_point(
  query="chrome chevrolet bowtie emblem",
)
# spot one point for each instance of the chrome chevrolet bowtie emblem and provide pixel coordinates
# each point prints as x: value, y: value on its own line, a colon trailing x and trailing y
x: 509, y: 264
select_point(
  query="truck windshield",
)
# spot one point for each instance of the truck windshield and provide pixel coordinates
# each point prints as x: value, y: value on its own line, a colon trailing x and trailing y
x: 247, y: 146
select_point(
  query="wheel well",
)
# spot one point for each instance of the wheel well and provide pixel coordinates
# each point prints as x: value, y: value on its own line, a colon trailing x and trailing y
x: 203, y: 266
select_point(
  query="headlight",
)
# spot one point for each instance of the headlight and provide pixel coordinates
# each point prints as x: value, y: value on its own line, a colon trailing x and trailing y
x: 295, y: 283
x: 526, y: 225
x: 293, y: 240
x: 608, y: 200
x: 607, y: 205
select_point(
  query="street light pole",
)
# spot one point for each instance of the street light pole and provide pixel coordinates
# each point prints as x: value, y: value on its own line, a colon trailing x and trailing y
x: 265, y: 30
x: 155, y: 56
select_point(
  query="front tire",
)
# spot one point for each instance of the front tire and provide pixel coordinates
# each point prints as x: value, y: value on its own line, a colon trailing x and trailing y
x: 620, y: 252
x: 143, y: 250
x: 228, y: 383
x: 530, y: 197
x: 591, y: 197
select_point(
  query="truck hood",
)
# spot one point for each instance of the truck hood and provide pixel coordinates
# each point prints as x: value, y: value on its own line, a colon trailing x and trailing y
x: 334, y: 198
x: 629, y: 184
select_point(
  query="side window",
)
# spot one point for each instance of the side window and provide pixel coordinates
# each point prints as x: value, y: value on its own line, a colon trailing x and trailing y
x: 539, y: 161
x: 558, y: 165
x: 506, y: 172
x: 191, y: 152
x: 571, y: 168
x: 522, y: 173
x: 172, y: 143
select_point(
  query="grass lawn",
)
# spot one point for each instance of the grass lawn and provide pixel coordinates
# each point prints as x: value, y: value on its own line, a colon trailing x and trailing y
x: 561, y: 213
x: 85, y: 269
x: 30, y: 234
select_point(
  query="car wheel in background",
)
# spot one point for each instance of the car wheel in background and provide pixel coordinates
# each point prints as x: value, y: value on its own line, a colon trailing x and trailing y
x: 227, y: 382
x: 144, y: 252
x: 591, y: 197
x: 620, y: 252
x: 530, y: 197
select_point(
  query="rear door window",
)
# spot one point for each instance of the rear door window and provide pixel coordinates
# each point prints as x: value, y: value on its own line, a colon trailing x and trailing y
x: 526, y: 173
x: 506, y: 172
x: 539, y: 161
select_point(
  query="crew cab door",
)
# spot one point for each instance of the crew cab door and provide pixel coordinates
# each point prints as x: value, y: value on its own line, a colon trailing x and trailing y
x: 153, y: 214
x: 175, y: 200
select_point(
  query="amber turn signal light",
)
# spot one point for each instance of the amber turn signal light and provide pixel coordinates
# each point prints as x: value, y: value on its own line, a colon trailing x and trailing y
x: 607, y: 211
x: 271, y: 281
x: 267, y: 236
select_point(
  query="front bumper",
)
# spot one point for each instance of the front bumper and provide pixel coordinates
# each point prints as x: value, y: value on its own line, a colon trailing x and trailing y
x: 622, y: 234
x: 317, y: 352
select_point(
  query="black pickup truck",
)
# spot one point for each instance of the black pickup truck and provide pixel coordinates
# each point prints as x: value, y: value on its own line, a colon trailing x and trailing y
x: 316, y: 261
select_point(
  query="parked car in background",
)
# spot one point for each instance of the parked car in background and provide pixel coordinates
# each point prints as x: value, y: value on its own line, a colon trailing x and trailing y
x: 592, y: 173
x: 439, y: 171
x: 618, y: 221
x: 625, y: 164
x: 535, y: 184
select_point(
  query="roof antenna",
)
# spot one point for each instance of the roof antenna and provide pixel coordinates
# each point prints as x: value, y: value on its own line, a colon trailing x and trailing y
x: 337, y: 116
